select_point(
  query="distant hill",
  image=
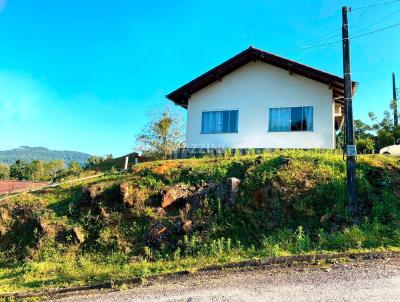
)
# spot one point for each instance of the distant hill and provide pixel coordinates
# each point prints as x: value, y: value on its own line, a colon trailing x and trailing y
x: 28, y: 154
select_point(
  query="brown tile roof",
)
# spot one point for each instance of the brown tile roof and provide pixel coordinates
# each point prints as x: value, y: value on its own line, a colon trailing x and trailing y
x: 181, y: 95
x: 11, y: 186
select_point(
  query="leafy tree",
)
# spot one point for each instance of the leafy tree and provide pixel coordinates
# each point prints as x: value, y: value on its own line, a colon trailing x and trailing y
x: 21, y: 170
x: 93, y: 161
x: 4, y: 171
x: 365, y: 145
x: 162, y: 136
x: 362, y: 130
x: 54, y: 168
x: 385, y: 131
x: 75, y: 167
x: 37, y: 170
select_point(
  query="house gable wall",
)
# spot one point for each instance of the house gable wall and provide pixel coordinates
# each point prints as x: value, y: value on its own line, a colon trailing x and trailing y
x: 253, y: 89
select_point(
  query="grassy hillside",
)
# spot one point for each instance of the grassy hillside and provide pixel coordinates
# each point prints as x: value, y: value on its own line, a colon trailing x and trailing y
x: 184, y: 214
x: 28, y: 154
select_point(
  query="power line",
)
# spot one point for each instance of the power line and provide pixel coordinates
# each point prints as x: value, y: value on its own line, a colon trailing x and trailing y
x: 337, y: 32
x: 375, y: 5
x: 378, y: 21
x: 309, y: 47
x: 375, y: 31
x: 339, y: 41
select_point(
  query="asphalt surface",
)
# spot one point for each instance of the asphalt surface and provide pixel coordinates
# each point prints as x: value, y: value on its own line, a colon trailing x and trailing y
x: 373, y: 280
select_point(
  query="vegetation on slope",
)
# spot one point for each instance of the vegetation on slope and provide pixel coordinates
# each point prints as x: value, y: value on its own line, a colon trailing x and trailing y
x: 289, y: 202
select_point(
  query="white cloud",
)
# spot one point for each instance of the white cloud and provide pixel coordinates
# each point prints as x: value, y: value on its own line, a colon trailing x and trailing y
x: 21, y: 97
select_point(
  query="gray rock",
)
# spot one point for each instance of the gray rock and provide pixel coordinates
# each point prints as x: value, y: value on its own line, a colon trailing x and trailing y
x: 232, y: 190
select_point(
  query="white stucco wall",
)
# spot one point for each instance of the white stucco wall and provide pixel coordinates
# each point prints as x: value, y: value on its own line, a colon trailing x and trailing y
x: 253, y: 89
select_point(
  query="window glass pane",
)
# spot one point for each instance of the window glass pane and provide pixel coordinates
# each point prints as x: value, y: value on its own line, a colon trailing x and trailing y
x: 284, y: 119
x: 225, y: 121
x: 297, y: 118
x: 212, y: 123
x: 291, y: 119
x: 308, y: 119
x: 205, y: 122
x: 233, y: 121
x: 219, y: 116
x: 219, y: 121
x: 273, y: 119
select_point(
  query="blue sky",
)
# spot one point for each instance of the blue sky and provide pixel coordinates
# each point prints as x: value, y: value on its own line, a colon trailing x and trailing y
x: 81, y: 74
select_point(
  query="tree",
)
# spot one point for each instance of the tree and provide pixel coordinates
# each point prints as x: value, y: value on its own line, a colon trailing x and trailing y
x: 162, y: 136
x: 93, y: 161
x: 365, y: 145
x: 21, y: 170
x: 4, y: 171
x: 362, y: 130
x: 385, y: 131
x: 54, y: 169
x: 75, y: 167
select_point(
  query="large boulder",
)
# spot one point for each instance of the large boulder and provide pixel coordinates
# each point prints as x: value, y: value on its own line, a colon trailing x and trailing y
x: 228, y: 191
x: 94, y: 191
x: 196, y: 199
x: 171, y: 195
x: 232, y: 190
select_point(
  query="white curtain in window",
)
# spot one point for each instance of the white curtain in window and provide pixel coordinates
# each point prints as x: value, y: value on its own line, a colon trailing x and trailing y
x: 279, y: 119
x: 308, y: 116
x: 219, y: 121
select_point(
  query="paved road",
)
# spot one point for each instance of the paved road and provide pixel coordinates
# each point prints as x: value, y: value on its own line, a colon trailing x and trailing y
x: 377, y: 280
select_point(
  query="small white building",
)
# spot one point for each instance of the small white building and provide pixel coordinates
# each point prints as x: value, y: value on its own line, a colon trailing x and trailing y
x: 260, y: 100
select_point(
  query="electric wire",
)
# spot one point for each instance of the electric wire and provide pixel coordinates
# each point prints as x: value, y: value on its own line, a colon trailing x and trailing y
x: 378, y: 21
x: 374, y: 5
x: 339, y: 41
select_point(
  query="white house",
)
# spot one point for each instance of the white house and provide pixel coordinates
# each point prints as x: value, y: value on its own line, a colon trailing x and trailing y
x: 260, y: 100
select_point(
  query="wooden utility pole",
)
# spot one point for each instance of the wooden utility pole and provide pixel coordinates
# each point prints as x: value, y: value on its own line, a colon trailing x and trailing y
x: 394, y: 105
x: 351, y: 152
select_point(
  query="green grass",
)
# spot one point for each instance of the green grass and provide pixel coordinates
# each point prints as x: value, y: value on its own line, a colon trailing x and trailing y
x: 305, y: 213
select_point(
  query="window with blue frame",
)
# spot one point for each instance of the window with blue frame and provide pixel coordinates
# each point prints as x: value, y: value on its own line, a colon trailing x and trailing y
x: 219, y: 121
x: 291, y: 119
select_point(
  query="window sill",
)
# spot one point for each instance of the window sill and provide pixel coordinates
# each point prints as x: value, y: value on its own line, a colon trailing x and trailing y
x: 289, y: 131
x: 220, y: 132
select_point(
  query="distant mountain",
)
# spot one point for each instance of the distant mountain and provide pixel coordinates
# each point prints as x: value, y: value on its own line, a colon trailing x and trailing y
x: 28, y: 154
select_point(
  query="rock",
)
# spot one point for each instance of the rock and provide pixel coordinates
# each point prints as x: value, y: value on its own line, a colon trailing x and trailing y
x: 194, y: 200
x: 157, y: 235
x: 171, y: 195
x: 47, y: 227
x: 93, y: 191
x: 79, y: 234
x: 124, y: 191
x: 220, y: 192
x: 187, y: 226
x: 5, y: 214
x: 232, y: 190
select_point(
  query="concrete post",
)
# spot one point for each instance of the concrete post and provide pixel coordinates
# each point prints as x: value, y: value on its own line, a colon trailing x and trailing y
x: 126, y: 163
